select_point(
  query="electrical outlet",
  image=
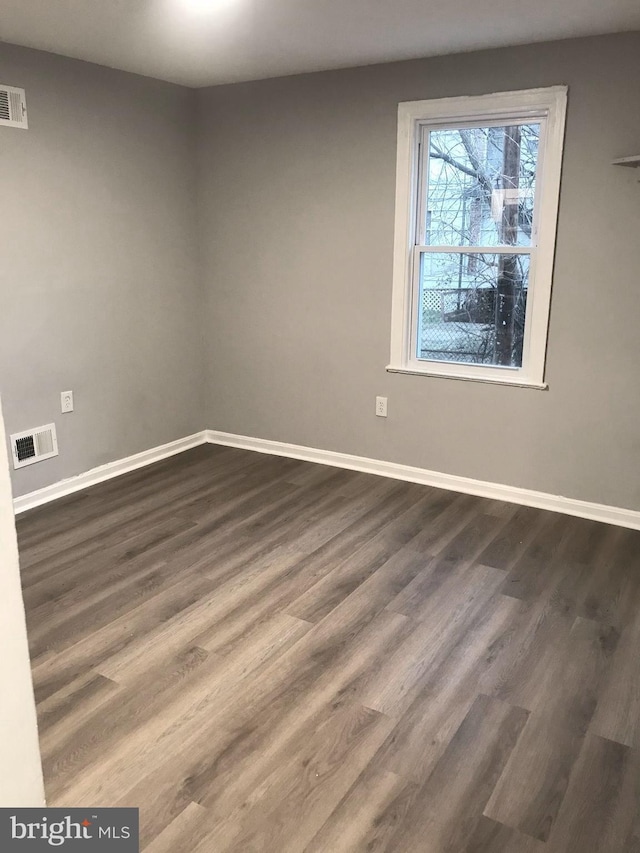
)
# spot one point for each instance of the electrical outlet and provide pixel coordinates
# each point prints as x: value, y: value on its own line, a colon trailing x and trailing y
x: 66, y: 402
x: 381, y: 407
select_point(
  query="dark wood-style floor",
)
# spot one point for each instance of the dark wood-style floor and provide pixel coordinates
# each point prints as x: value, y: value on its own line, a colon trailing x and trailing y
x: 268, y: 655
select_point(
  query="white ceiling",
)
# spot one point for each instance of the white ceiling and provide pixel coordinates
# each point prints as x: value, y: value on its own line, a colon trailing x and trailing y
x: 204, y: 42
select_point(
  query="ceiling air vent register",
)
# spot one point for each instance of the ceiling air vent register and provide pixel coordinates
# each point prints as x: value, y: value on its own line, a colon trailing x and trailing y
x: 13, y: 107
x: 34, y: 445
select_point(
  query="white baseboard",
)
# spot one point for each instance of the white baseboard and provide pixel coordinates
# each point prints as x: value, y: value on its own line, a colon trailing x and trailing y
x: 497, y: 491
x: 106, y: 472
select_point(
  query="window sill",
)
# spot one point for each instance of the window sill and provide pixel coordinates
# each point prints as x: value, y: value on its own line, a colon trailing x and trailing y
x: 490, y: 380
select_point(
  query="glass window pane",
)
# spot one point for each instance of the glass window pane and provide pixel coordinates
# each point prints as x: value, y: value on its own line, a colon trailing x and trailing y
x: 471, y: 308
x: 480, y: 185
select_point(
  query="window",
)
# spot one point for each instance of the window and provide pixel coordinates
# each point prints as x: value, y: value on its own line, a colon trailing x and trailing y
x: 478, y: 181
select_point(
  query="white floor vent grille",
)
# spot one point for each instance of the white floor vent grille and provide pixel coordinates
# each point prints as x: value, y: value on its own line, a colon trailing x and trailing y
x: 13, y: 107
x: 34, y: 445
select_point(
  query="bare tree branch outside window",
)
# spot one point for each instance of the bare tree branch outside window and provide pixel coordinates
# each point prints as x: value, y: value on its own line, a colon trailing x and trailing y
x: 479, y: 194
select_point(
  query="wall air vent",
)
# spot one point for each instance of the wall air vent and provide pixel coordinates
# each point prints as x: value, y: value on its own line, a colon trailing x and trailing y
x: 13, y: 107
x: 34, y: 445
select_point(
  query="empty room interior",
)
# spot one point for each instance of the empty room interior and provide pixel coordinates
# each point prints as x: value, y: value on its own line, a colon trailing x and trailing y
x: 320, y: 445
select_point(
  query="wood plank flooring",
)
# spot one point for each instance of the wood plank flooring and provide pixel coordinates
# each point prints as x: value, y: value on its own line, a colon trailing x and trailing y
x: 270, y: 656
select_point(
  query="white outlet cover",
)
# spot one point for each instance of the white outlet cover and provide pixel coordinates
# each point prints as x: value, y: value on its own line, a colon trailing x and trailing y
x: 381, y: 407
x: 66, y: 401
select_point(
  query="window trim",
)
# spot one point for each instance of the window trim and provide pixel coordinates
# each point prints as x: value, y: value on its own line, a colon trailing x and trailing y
x: 549, y: 103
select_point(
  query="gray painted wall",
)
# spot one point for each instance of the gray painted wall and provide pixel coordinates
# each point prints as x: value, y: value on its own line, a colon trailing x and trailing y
x: 101, y: 293
x: 99, y: 283
x: 297, y: 210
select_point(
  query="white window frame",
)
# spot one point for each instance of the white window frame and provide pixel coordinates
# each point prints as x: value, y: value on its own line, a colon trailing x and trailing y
x: 549, y: 105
